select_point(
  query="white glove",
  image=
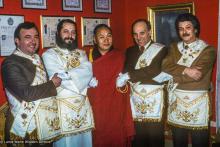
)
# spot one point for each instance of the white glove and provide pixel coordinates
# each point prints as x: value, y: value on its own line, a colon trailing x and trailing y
x: 93, y: 82
x: 64, y: 76
x: 122, y: 79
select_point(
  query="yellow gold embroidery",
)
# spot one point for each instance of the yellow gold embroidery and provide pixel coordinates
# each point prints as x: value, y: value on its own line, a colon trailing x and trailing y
x: 191, y: 103
x: 189, y: 110
x: 187, y: 116
x: 188, y: 127
x: 48, y: 108
x: 173, y: 106
x: 76, y: 122
x: 54, y: 124
x: 147, y: 95
x: 73, y: 62
x: 142, y: 63
x: 144, y: 107
x: 52, y: 108
x: 29, y: 106
x: 72, y: 58
x: 71, y: 106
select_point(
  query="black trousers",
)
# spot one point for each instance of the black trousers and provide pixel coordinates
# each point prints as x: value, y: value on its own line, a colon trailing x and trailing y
x: 148, y: 134
x: 200, y: 138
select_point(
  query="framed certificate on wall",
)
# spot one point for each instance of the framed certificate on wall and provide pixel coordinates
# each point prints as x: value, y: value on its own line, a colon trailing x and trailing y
x: 8, y: 24
x: 34, y: 4
x: 103, y: 6
x: 72, y: 5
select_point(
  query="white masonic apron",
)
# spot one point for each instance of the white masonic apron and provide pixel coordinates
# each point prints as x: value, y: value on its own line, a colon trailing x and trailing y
x: 73, y: 105
x: 75, y: 113
x: 147, y: 101
x: 189, y: 109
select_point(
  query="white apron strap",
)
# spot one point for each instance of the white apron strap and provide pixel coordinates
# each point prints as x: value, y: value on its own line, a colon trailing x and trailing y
x: 189, y: 55
x: 146, y: 58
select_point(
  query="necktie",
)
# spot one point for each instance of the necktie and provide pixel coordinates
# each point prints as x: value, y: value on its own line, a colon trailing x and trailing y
x: 142, y: 49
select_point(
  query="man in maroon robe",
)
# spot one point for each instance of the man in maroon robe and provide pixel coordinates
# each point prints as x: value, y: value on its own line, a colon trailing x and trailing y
x: 111, y: 106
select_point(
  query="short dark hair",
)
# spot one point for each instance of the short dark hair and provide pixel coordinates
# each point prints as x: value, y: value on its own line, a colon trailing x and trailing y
x: 101, y: 26
x: 24, y: 25
x: 141, y: 20
x: 188, y: 17
x: 60, y: 26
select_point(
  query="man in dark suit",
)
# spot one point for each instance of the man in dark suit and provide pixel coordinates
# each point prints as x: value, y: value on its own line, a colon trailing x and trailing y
x: 27, y: 88
x: 142, y: 64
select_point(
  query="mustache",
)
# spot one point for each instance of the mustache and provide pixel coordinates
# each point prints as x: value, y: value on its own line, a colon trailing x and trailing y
x: 185, y: 34
x: 69, y: 39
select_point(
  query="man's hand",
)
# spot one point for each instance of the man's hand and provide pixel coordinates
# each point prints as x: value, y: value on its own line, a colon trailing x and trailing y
x: 193, y: 72
x: 122, y: 79
x: 56, y: 80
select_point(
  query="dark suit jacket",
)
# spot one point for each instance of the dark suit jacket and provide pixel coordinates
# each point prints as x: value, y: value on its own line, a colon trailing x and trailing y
x: 205, y: 60
x: 18, y: 73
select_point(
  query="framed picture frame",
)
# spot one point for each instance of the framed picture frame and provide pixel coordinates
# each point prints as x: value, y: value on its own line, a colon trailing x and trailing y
x: 49, y: 28
x: 34, y: 4
x: 8, y: 24
x: 88, y: 24
x: 1, y: 4
x: 72, y: 5
x: 163, y: 18
x: 103, y: 6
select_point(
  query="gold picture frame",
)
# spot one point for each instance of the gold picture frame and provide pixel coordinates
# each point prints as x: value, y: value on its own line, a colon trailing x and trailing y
x: 162, y: 18
x: 88, y: 25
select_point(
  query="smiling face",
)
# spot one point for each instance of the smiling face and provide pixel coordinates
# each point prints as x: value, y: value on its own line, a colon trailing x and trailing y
x: 141, y: 34
x: 187, y: 32
x: 103, y: 39
x: 66, y: 37
x: 68, y: 33
x: 28, y: 41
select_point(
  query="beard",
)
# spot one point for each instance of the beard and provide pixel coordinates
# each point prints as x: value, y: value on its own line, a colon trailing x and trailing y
x: 68, y: 43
